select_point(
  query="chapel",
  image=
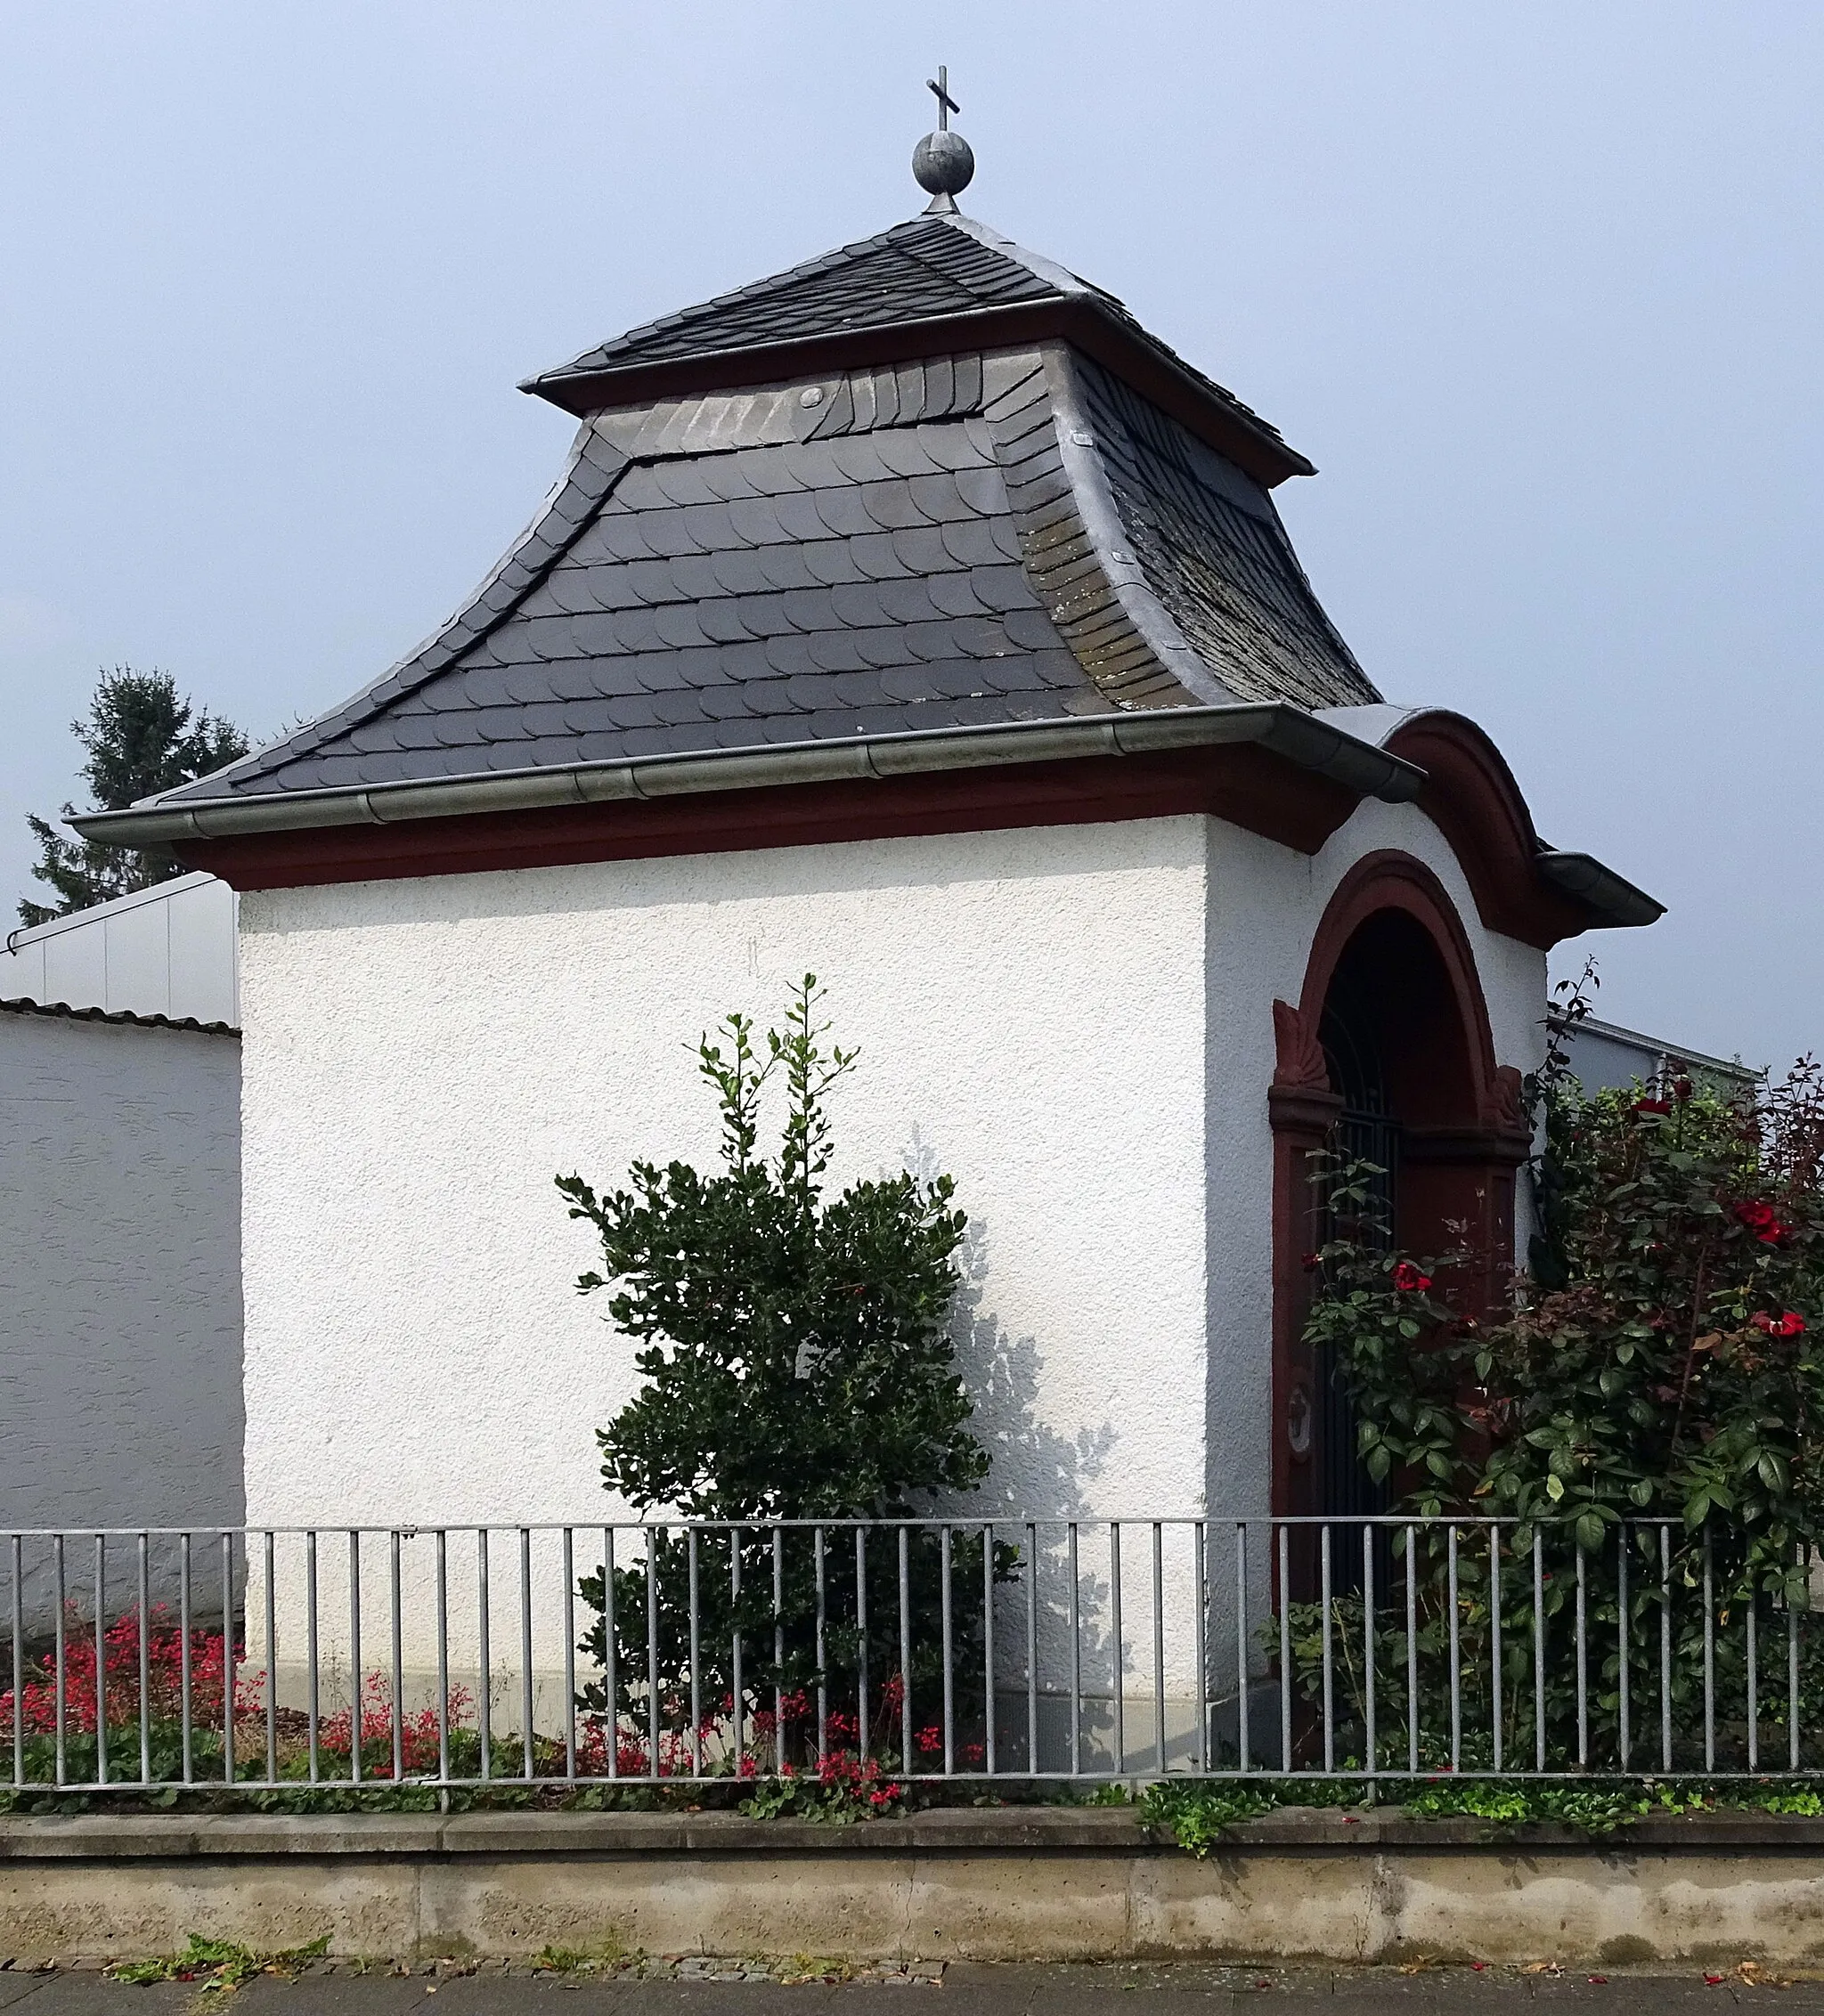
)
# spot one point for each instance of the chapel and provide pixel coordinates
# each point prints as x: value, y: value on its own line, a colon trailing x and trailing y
x: 914, y: 618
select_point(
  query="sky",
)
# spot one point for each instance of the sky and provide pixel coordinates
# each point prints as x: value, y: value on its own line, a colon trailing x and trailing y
x: 1537, y: 287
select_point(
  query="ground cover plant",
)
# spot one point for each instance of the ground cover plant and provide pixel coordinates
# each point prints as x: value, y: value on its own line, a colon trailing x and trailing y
x: 1645, y: 1414
x: 1197, y: 1813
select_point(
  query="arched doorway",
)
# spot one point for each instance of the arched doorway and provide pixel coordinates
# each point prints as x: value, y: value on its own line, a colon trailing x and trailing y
x: 1386, y: 1056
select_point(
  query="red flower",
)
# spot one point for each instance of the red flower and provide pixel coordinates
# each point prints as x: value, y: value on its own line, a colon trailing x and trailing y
x: 1652, y: 1105
x: 1791, y: 1324
x: 1680, y: 1089
x: 1408, y: 1279
x: 1311, y: 1262
x: 1764, y: 1221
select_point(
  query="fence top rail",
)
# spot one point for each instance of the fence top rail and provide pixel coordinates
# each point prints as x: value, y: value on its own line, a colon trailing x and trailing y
x: 956, y: 1521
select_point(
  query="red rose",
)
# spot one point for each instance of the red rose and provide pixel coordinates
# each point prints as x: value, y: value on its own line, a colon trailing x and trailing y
x: 1680, y: 1089
x: 1652, y: 1106
x: 1757, y: 1216
x: 1791, y: 1324
x: 1408, y: 1279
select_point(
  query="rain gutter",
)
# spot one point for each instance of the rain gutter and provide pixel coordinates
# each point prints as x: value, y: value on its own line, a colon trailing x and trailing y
x: 1286, y: 731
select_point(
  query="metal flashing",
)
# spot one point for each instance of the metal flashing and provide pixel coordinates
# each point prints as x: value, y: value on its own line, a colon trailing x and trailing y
x: 1286, y: 731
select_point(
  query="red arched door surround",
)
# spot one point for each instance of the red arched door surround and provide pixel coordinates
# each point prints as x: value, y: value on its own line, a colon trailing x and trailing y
x: 1391, y: 934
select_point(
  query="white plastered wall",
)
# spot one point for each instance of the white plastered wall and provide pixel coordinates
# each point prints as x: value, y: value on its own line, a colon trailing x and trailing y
x: 422, y: 1057
x: 1074, y: 1021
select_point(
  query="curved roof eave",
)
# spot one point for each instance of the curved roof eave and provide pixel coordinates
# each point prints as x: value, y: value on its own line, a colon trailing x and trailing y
x: 1524, y: 886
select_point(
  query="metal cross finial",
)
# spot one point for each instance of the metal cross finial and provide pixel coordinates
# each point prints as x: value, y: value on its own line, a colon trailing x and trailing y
x: 946, y: 104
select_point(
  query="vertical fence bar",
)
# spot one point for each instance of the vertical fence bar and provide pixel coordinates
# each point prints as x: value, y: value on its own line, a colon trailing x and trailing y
x: 1201, y: 1558
x: 1323, y: 1545
x: 568, y: 1567
x: 1538, y: 1649
x: 1120, y: 1646
x: 442, y: 1657
x: 1709, y: 1653
x: 100, y: 1659
x: 654, y: 1540
x: 355, y: 1729
x: 228, y: 1664
x: 60, y: 1679
x: 1497, y: 1706
x: 1285, y: 1649
x: 823, y: 1690
x: 695, y: 1656
x: 184, y: 1656
x: 144, y: 1592
x: 738, y: 1647
x: 1076, y: 1655
x: 949, y: 1667
x: 1032, y: 1646
x: 393, y: 1595
x: 16, y: 1603
x: 1749, y: 1621
x: 1666, y: 1647
x: 1456, y: 1654
x: 1792, y: 1661
x: 313, y: 1702
x: 987, y: 1743
x: 484, y: 1715
x: 269, y: 1562
x: 611, y: 1649
x: 778, y: 1647
x: 1241, y: 1732
x: 1582, y: 1651
x: 905, y: 1651
x: 1371, y: 1746
x: 525, y: 1702
x: 1624, y: 1730
x: 1411, y: 1650
x: 1158, y: 1640
x: 862, y: 1731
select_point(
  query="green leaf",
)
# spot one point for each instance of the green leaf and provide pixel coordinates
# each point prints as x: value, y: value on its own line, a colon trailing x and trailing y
x: 1554, y: 1487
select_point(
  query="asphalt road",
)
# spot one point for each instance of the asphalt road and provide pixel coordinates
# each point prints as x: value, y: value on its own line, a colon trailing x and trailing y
x: 963, y: 1991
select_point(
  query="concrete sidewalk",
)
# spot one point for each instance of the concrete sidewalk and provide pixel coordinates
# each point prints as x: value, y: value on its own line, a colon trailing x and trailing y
x: 962, y: 1990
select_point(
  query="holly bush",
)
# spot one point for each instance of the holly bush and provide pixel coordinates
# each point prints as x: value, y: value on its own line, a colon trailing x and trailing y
x: 797, y: 1366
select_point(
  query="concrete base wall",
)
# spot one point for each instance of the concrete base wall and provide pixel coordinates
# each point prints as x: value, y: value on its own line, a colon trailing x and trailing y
x: 1051, y: 1884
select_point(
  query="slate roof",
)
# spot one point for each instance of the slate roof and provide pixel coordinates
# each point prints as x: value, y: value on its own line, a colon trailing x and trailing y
x: 989, y: 537
x: 919, y: 270
x: 932, y: 270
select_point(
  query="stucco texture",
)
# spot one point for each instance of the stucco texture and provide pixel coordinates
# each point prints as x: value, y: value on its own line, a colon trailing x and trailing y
x: 1075, y: 1022
x: 119, y: 1275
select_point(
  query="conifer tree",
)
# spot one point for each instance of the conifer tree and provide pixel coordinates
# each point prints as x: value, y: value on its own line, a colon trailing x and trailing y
x: 140, y: 737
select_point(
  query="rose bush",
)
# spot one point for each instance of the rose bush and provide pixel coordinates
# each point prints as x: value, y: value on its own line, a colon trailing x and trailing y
x: 1648, y: 1405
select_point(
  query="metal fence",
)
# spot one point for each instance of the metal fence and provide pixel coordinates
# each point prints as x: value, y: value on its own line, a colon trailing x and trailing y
x: 1074, y: 1650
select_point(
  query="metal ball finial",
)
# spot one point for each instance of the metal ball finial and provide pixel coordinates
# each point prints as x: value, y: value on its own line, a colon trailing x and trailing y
x: 942, y: 163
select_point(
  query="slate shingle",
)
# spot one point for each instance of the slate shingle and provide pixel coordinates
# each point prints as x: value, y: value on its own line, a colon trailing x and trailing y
x: 909, y: 549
